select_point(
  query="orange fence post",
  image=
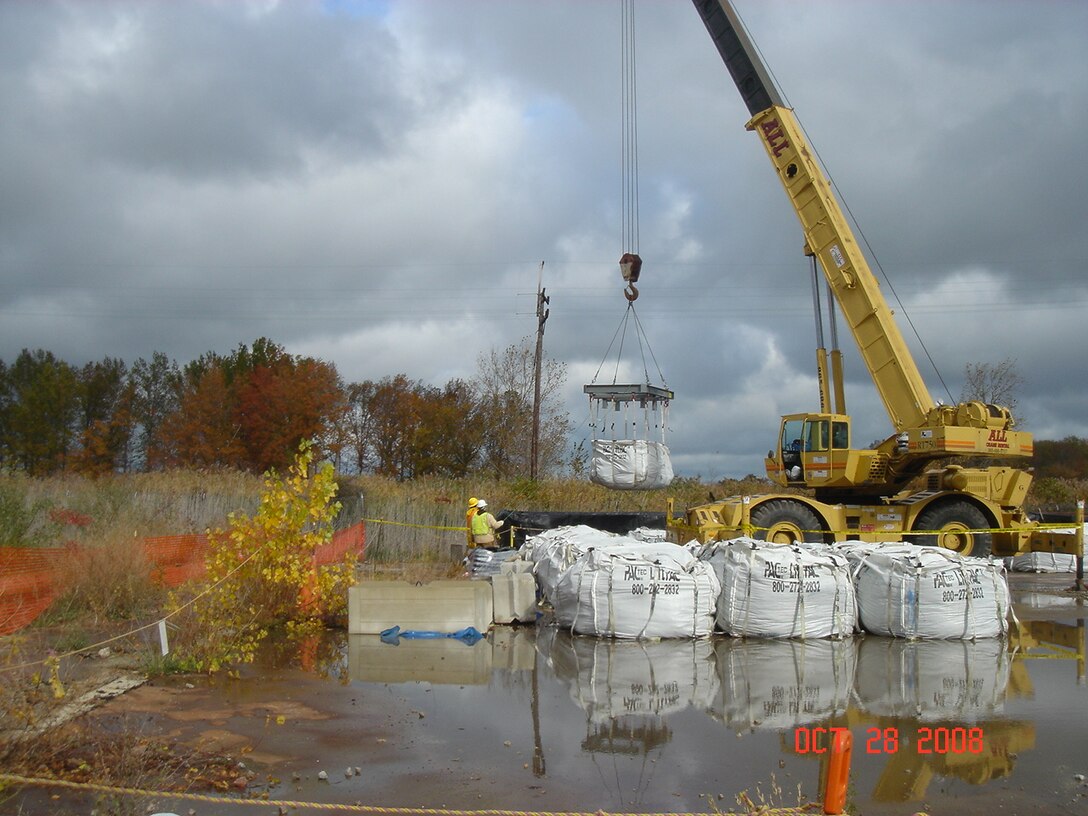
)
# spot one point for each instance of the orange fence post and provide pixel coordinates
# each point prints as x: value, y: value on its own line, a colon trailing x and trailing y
x: 838, y: 772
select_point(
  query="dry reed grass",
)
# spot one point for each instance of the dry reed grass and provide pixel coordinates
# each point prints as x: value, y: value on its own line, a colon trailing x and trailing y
x: 107, y: 582
x: 423, y: 521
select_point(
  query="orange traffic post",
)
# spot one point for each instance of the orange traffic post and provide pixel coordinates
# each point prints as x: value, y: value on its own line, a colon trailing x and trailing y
x: 838, y: 772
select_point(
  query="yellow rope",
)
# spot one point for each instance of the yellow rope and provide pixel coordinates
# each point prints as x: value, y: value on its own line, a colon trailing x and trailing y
x: 285, y: 803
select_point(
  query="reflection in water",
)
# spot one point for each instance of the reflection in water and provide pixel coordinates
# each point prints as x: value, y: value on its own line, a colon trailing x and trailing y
x: 955, y: 680
x: 941, y: 701
x: 634, y: 699
x: 778, y: 684
x: 628, y: 689
x: 615, y: 678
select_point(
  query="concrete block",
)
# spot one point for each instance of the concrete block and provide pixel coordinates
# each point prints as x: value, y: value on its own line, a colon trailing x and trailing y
x: 440, y: 606
x: 514, y: 597
x: 442, y: 661
x: 515, y: 565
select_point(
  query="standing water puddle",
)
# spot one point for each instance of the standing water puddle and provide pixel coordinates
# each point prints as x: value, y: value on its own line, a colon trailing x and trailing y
x: 535, y: 719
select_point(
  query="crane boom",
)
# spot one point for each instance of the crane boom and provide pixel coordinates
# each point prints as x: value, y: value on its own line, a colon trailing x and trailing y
x: 880, y: 343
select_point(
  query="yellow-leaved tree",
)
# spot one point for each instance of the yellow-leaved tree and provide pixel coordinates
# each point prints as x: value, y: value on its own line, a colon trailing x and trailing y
x: 261, y: 571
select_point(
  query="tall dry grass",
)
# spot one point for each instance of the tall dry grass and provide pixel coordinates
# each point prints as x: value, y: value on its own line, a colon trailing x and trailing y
x: 63, y: 509
x: 421, y: 519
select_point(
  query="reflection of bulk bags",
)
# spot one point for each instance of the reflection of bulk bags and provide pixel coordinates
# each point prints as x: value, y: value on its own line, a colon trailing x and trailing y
x: 779, y: 684
x: 659, y: 595
x: 928, y: 592
x: 932, y: 679
x: 616, y: 678
x: 782, y: 590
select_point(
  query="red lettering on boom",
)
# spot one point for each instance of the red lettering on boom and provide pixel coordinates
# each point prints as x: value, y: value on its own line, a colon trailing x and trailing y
x: 772, y: 132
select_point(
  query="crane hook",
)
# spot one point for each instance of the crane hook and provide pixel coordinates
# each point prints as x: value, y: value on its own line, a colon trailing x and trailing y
x: 630, y: 266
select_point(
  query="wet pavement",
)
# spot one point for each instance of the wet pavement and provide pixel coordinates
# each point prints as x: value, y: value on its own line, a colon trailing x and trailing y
x: 533, y: 719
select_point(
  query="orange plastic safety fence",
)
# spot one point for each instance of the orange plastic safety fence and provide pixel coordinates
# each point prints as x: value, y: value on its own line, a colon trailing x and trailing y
x: 28, y: 582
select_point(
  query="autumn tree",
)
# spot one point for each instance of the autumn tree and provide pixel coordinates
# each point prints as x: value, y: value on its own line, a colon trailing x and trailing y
x: 203, y: 430
x: 505, y: 385
x: 41, y: 416
x: 281, y: 403
x: 396, y: 419
x: 357, y: 426
x: 155, y: 386
x: 252, y: 408
x: 994, y: 384
x: 451, y: 431
x: 105, y: 417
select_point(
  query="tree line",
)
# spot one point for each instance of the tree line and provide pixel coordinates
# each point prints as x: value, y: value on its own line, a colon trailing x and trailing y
x: 250, y: 409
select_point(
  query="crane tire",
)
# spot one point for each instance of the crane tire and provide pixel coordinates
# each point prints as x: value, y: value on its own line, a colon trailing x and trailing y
x: 784, y: 521
x: 953, y: 522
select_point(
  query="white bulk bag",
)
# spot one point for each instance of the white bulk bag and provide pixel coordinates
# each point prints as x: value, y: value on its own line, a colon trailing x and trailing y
x: 630, y: 464
x: 652, y: 595
x: 555, y: 550
x: 1044, y: 562
x: 782, y: 590
x: 928, y: 592
x: 946, y: 680
x: 780, y: 684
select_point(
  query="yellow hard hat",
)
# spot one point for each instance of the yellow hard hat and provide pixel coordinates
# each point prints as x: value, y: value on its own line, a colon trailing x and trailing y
x: 473, y: 502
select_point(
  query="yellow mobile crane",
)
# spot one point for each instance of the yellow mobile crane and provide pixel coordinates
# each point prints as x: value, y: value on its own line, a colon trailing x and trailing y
x: 857, y: 493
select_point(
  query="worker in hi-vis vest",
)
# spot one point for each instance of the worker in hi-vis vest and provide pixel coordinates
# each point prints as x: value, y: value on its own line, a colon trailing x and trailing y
x: 472, y: 504
x: 483, y: 526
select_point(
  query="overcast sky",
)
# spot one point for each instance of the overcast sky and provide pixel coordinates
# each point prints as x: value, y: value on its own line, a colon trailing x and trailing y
x: 377, y: 183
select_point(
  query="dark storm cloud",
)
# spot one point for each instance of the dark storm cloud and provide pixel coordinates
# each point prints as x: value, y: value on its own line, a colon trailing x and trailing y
x: 376, y: 184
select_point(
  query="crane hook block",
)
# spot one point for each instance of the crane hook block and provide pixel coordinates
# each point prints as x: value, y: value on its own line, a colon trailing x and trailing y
x: 630, y: 266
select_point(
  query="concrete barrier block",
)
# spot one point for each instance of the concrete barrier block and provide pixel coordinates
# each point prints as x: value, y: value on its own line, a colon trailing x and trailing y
x: 515, y: 565
x: 514, y: 597
x: 440, y: 606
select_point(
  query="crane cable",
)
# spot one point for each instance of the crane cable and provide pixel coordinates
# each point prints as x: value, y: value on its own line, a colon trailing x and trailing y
x: 643, y: 344
x: 629, y: 134
x: 629, y: 194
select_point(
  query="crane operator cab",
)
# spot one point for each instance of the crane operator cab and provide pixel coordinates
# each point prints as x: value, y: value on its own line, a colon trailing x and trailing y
x: 813, y: 450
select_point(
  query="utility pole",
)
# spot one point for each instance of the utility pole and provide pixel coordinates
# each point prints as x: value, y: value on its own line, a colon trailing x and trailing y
x: 542, y: 300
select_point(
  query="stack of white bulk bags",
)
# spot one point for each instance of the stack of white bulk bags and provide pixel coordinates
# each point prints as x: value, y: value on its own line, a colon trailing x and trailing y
x: 553, y: 551
x: 928, y: 592
x: 612, y: 678
x: 781, y: 684
x: 630, y: 464
x: 948, y: 680
x: 782, y: 590
x: 660, y: 591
